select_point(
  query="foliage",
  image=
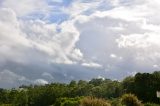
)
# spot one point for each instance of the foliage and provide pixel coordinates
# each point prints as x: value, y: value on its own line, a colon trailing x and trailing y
x: 151, y: 104
x: 21, y: 98
x: 147, y: 85
x: 91, y: 101
x: 130, y: 100
x: 116, y: 102
x: 143, y: 85
x: 128, y: 84
x: 6, y: 105
x: 68, y: 101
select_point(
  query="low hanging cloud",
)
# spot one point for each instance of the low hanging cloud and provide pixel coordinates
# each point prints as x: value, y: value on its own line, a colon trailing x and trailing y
x: 98, y: 38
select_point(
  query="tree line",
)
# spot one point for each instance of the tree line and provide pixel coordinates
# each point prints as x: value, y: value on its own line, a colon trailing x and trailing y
x: 140, y: 88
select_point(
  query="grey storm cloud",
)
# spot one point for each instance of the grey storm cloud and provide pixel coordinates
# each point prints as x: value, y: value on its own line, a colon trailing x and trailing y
x: 95, y: 41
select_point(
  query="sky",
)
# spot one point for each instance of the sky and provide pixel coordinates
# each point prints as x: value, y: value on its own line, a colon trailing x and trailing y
x: 44, y: 41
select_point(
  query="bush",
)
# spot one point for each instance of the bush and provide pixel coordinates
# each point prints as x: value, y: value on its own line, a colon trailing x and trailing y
x: 71, y: 103
x: 115, y: 102
x: 151, y: 104
x: 6, y: 105
x: 68, y: 101
x: 130, y: 100
x: 91, y: 101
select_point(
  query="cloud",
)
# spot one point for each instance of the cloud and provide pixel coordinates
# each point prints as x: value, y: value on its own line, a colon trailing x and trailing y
x: 26, y: 44
x: 111, y: 39
x: 11, y: 79
x: 92, y: 65
x: 125, y: 31
x: 40, y: 82
x: 47, y: 75
x: 113, y: 56
x: 12, y: 40
x: 38, y: 35
x: 25, y: 7
x: 59, y: 1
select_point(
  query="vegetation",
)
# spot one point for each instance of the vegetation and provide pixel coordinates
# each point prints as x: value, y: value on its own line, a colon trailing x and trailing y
x: 151, y: 104
x: 91, y: 101
x: 97, y: 92
x: 130, y: 100
x: 68, y: 101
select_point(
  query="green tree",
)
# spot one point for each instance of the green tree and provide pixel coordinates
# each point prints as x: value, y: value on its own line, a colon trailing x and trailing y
x: 128, y: 85
x: 21, y: 98
x: 96, y: 82
x: 146, y: 86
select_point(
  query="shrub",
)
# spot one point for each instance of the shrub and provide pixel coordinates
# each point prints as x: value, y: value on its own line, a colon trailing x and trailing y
x: 130, y: 100
x: 116, y: 102
x: 91, y: 101
x: 68, y: 101
x: 151, y: 104
x: 6, y: 105
x: 71, y: 103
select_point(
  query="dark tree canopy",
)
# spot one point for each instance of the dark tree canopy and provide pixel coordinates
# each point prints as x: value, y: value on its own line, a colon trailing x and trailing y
x: 142, y: 85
